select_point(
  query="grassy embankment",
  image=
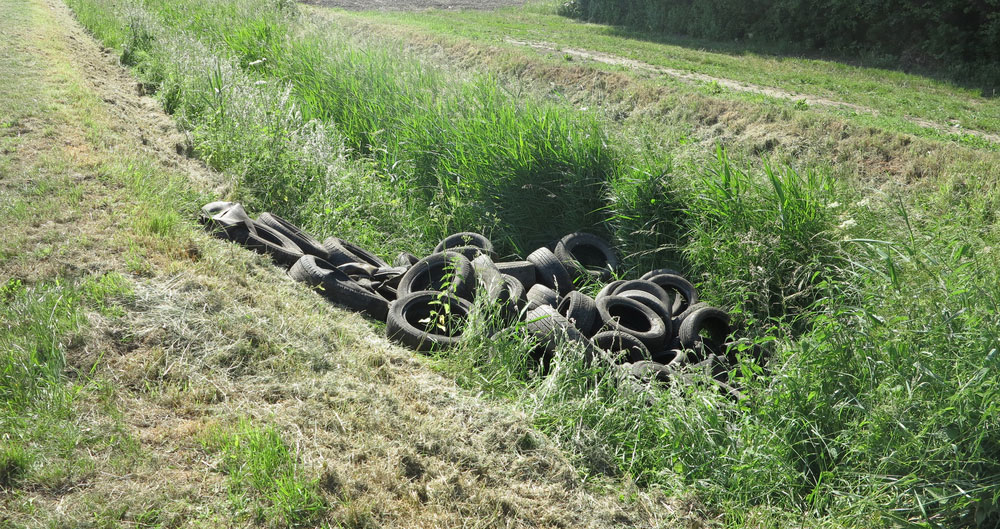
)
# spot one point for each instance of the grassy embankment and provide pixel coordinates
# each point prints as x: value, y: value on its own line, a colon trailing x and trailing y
x: 151, y: 376
x: 878, y: 402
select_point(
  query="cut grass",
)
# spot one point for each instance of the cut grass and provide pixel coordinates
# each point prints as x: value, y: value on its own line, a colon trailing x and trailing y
x: 875, y: 311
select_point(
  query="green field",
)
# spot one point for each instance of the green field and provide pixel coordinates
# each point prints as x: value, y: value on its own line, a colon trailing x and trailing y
x: 856, y: 250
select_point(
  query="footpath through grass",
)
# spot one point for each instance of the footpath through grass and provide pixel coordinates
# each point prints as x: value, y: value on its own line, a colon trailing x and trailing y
x: 877, y: 405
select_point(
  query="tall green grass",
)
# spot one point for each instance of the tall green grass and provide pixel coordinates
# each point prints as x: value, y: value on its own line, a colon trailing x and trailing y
x: 876, y: 405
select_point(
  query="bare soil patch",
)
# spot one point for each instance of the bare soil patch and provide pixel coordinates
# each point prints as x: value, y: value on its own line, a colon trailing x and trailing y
x: 410, y: 5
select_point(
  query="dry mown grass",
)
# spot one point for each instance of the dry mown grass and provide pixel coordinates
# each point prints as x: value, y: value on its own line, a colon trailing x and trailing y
x: 208, y: 335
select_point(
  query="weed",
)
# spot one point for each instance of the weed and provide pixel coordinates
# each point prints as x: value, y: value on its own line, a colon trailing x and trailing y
x: 265, y: 479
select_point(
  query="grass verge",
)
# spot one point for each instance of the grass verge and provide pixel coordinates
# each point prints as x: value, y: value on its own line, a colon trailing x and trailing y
x: 875, y: 307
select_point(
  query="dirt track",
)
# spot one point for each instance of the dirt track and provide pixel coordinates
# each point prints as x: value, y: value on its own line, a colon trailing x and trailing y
x: 403, y: 5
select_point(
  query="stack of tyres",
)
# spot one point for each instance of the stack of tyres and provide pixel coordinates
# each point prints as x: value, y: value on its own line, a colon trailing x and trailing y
x: 651, y: 326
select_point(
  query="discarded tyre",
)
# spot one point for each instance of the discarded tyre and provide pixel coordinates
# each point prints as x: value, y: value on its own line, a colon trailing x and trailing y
x: 586, y: 254
x: 307, y: 243
x: 427, y: 320
x: 540, y: 295
x: 338, y: 287
x: 523, y: 271
x: 361, y: 255
x: 621, y: 346
x: 549, y: 327
x: 630, y: 316
x: 683, y: 291
x: 550, y: 272
x: 465, y: 239
x: 443, y: 272
x: 706, y: 329
x: 581, y: 311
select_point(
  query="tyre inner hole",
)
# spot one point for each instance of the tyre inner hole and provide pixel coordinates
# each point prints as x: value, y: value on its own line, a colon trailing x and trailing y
x: 433, y: 318
x: 590, y: 256
x: 713, y: 331
x: 268, y: 236
x: 630, y: 318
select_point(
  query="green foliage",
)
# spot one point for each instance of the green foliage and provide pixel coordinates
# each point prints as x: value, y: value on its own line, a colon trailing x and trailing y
x: 942, y: 34
x: 878, y: 403
x: 265, y: 479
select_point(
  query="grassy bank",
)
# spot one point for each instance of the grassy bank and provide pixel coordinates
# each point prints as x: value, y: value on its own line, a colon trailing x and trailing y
x: 876, y: 405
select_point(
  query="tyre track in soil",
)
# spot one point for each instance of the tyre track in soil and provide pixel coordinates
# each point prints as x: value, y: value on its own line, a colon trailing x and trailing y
x: 738, y: 86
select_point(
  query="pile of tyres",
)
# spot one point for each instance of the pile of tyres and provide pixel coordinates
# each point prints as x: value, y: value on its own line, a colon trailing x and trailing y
x: 652, y: 325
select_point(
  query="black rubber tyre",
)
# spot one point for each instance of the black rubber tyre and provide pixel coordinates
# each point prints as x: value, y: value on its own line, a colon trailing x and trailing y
x: 581, y: 310
x: 550, y: 272
x: 706, y: 329
x: 470, y: 252
x: 645, y: 286
x: 488, y: 276
x: 406, y: 259
x: 540, y: 295
x: 679, y: 319
x: 548, y: 327
x: 337, y: 287
x: 410, y: 317
x: 673, y: 358
x: 338, y: 255
x: 213, y: 209
x: 231, y: 224
x: 682, y: 290
x: 389, y: 276
x: 362, y: 255
x: 523, y: 271
x: 660, y: 271
x: 281, y: 249
x: 647, y: 370
x: 628, y: 315
x: 608, y: 289
x: 465, y: 238
x: 358, y: 270
x: 515, y: 290
x: 307, y: 243
x: 586, y: 254
x: 656, y: 304
x: 439, y: 272
x: 621, y: 346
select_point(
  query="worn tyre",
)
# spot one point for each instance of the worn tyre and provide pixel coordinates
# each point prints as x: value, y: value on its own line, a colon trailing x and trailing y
x: 523, y: 271
x: 628, y: 315
x: 419, y: 321
x: 609, y: 289
x: 445, y: 271
x: 361, y: 255
x: 540, y: 295
x: 550, y: 272
x: 578, y: 308
x: 647, y: 370
x: 213, y: 209
x: 338, y: 287
x: 586, y: 254
x: 657, y: 305
x: 706, y: 329
x: 307, y: 243
x: 681, y: 289
x: 405, y: 259
x: 660, y: 271
x: 622, y: 346
x: 548, y: 327
x: 281, y: 249
x: 465, y: 238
